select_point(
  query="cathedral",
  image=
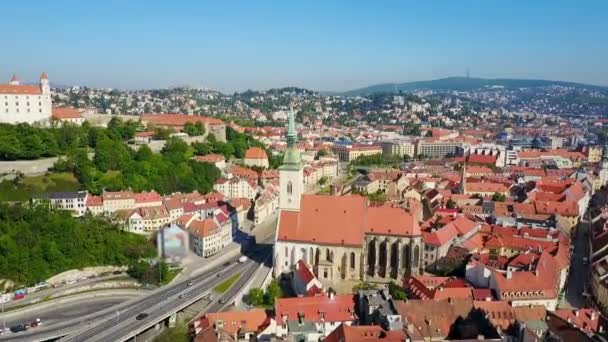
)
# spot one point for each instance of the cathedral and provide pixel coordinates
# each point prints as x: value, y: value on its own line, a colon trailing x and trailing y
x: 341, y: 237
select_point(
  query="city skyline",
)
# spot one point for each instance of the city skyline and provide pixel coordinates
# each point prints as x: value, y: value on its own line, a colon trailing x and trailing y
x: 325, y: 47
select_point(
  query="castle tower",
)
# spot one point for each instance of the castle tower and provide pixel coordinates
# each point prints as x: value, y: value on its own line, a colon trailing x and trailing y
x: 45, y: 86
x: 291, y: 175
x: 14, y: 80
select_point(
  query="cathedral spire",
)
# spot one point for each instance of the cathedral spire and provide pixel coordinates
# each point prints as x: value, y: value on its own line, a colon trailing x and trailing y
x: 291, y: 130
x: 463, y: 177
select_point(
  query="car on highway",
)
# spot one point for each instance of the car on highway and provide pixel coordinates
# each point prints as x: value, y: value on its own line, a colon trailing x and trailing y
x: 35, y: 323
x: 243, y: 259
x: 181, y: 295
x: 221, y: 301
x: 190, y: 283
x: 19, y: 328
x: 141, y: 316
x: 227, y: 263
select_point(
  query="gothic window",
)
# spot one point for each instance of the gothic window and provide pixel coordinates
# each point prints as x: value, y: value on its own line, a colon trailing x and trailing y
x: 352, y: 259
x: 289, y: 188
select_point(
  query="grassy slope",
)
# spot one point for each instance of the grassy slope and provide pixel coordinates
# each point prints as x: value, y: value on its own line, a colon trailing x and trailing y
x: 33, y: 186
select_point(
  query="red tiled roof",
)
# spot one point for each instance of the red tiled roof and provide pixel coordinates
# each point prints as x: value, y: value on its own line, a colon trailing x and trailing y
x: 364, y: 333
x: 94, y: 201
x: 340, y: 308
x: 177, y: 119
x: 147, y: 197
x: 145, y: 134
x: 587, y: 320
x: 250, y: 321
x: 481, y: 159
x: 350, y: 213
x: 304, y: 272
x: 22, y: 89
x: 486, y: 187
x: 210, y: 158
x: 204, y: 228
x: 255, y: 153
x: 66, y: 113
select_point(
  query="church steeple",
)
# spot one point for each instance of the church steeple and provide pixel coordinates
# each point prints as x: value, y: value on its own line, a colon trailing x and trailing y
x: 292, y: 136
x: 291, y: 174
x: 463, y: 177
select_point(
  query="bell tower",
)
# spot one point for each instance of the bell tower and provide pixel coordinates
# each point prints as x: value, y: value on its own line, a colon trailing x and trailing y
x: 291, y: 174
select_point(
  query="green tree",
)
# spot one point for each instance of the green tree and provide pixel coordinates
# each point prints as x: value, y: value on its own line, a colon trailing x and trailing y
x: 396, y: 291
x: 498, y: 197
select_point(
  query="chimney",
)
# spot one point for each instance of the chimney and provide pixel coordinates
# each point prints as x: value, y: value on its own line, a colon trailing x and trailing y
x: 594, y: 315
x: 331, y: 294
x: 509, y: 274
x: 576, y: 313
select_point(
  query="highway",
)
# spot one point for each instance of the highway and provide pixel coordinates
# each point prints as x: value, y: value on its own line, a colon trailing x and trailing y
x: 159, y: 306
x: 64, y: 312
x: 119, y: 319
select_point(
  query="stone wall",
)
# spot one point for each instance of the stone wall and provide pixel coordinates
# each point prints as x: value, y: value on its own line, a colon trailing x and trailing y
x: 27, y: 167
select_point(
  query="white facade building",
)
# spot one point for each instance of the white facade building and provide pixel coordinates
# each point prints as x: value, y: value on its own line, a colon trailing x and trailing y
x: 26, y: 103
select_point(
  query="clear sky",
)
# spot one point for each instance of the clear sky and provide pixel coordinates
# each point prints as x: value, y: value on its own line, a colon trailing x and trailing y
x: 323, y: 45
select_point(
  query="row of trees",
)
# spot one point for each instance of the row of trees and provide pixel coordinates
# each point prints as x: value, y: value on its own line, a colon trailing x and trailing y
x: 23, y: 141
x: 380, y: 160
x: 37, y: 242
x: 116, y: 167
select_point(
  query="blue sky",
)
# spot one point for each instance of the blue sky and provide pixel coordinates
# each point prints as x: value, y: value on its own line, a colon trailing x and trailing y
x: 323, y: 45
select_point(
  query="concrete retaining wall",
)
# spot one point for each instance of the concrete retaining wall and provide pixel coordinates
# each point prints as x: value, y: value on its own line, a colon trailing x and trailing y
x: 83, y: 273
x: 27, y: 167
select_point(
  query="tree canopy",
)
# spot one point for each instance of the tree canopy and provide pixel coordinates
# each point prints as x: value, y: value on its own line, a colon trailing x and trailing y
x: 38, y: 242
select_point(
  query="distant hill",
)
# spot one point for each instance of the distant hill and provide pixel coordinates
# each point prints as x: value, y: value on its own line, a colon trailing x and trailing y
x: 461, y: 84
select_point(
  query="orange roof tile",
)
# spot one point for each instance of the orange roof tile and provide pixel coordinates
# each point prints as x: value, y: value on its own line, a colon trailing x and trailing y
x: 255, y: 153
x: 22, y: 89
x: 177, y: 119
x: 340, y: 308
x: 66, y: 113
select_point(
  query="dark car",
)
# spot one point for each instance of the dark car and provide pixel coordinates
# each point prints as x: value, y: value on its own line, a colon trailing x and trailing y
x: 221, y: 301
x: 227, y: 263
x: 141, y: 316
x: 18, y: 328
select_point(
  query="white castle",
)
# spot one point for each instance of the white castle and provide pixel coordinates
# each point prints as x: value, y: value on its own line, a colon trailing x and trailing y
x: 26, y: 103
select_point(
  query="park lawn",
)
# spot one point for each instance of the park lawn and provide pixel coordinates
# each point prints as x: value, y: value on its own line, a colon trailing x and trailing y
x: 35, y: 186
x: 226, y: 284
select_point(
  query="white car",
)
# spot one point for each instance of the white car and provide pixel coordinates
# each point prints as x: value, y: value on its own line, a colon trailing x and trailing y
x: 243, y: 259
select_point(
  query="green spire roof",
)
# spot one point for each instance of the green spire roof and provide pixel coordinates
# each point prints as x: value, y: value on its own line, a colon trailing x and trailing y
x: 292, y: 160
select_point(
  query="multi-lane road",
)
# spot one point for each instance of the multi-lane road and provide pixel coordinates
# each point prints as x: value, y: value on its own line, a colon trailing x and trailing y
x: 119, y: 322
x: 162, y: 304
x: 54, y: 314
